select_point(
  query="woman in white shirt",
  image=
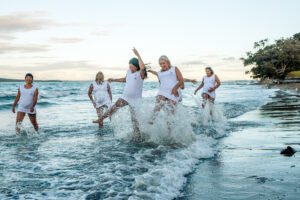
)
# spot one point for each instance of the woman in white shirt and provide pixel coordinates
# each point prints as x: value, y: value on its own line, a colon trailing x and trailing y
x: 100, y: 95
x: 210, y: 83
x: 132, y: 91
x: 171, y: 83
x: 26, y: 100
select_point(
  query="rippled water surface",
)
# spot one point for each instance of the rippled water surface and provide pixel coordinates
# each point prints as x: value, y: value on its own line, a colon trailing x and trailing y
x: 70, y: 158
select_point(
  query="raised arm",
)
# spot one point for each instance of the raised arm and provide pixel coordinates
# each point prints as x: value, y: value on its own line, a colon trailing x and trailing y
x: 141, y: 63
x: 16, y: 101
x: 35, y: 99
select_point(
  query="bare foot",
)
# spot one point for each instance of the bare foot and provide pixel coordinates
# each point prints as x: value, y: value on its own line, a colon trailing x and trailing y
x: 96, y: 121
x: 99, y: 121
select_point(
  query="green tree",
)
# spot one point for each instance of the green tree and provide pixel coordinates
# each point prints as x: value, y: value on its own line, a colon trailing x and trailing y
x: 274, y: 60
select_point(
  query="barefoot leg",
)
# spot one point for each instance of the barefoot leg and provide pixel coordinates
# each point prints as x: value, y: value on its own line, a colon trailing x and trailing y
x: 135, y: 124
x: 205, y: 98
x: 19, y: 119
x: 32, y: 118
x: 158, y: 107
x: 119, y: 104
x: 100, y: 114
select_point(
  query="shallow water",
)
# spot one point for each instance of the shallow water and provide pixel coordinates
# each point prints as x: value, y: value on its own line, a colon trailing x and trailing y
x: 248, y: 164
x: 70, y: 158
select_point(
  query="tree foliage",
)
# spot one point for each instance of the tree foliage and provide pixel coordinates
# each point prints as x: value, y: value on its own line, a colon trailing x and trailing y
x: 274, y: 60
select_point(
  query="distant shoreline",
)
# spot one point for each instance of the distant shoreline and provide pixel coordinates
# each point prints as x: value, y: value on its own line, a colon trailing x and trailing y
x: 19, y: 80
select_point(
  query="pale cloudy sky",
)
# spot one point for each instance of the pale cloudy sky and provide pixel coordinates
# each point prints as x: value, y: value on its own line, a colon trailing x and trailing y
x: 73, y: 39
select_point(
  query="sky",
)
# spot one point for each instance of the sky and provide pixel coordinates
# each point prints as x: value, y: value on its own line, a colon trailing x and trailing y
x: 74, y: 39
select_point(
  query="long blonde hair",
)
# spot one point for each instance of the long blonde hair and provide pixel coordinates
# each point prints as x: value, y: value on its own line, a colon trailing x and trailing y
x: 165, y: 58
x: 101, y: 79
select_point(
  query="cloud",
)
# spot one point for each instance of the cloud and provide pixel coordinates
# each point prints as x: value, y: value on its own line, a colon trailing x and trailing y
x: 101, y: 33
x: 23, y: 22
x: 229, y: 58
x: 28, y: 48
x: 66, y: 40
x: 60, y: 65
x: 6, y: 37
x: 193, y: 62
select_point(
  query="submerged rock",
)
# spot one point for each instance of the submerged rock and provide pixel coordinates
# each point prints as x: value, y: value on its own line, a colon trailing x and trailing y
x: 289, y: 151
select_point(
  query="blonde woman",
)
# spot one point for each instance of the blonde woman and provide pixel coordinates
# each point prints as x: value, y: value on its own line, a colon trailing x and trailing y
x: 171, y: 83
x: 209, y: 84
x: 100, y: 95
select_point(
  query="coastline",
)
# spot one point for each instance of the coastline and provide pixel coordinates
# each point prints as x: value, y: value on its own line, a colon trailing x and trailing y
x: 282, y: 86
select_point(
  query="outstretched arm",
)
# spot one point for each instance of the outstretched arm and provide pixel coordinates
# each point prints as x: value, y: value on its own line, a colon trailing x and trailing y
x: 190, y: 80
x: 199, y: 88
x: 16, y: 101
x: 153, y: 72
x: 141, y: 63
x: 119, y: 80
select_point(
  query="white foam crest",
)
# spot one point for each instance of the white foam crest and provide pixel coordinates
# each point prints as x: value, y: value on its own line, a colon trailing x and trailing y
x: 166, y: 128
x: 211, y: 113
x: 166, y: 179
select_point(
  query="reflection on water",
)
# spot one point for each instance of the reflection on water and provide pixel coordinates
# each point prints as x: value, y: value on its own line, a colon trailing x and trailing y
x: 249, y: 164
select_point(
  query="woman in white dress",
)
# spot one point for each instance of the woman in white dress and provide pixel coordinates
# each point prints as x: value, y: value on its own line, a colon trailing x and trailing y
x: 26, y: 100
x: 132, y: 91
x: 171, y: 83
x: 209, y: 83
x: 100, y: 95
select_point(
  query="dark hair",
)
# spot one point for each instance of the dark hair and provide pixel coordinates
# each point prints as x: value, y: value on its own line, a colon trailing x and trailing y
x: 210, y: 69
x: 135, y: 62
x: 29, y: 74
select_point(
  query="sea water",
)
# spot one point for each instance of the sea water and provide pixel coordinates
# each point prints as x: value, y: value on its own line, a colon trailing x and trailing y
x: 71, y: 158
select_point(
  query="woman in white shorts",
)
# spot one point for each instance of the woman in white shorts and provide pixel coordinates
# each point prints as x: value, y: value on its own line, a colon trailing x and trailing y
x: 26, y: 100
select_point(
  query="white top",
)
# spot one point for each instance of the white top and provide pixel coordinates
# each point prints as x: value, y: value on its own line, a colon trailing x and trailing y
x: 101, y: 95
x: 168, y: 80
x: 209, y: 82
x: 133, y: 87
x: 26, y: 99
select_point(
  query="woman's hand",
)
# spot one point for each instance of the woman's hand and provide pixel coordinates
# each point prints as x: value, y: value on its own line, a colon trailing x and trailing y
x: 193, y: 81
x: 94, y: 104
x: 175, y: 92
x: 195, y: 91
x: 13, y: 109
x: 32, y: 109
x: 211, y: 89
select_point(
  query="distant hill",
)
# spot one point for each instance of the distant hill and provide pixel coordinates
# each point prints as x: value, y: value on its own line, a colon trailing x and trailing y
x: 19, y: 80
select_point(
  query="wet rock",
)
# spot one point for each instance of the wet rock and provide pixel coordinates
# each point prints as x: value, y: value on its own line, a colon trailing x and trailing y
x: 289, y: 151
